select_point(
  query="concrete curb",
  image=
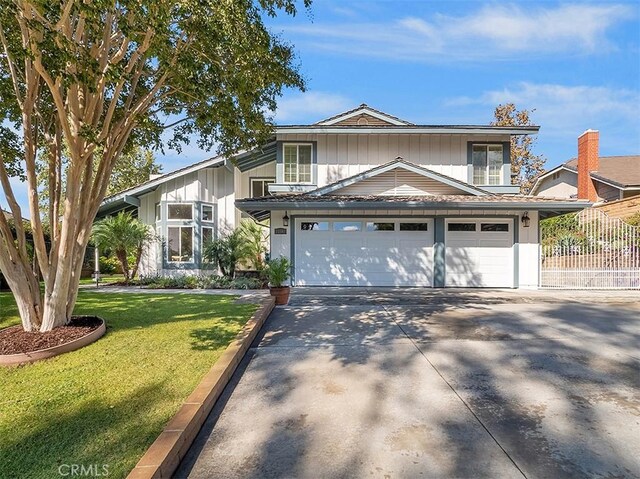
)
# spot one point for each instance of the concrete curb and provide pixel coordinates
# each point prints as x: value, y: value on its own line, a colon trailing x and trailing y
x: 165, y: 454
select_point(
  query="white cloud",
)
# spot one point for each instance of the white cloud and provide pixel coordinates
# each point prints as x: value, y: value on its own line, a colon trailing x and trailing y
x: 310, y: 106
x: 564, y: 112
x: 494, y: 31
x: 562, y: 107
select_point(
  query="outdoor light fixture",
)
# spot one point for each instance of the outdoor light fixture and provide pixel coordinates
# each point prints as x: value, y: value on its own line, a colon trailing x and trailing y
x: 525, y: 219
x: 285, y: 219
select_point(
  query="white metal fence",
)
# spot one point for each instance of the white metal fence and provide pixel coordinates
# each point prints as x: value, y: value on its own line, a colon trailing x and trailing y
x: 589, y: 250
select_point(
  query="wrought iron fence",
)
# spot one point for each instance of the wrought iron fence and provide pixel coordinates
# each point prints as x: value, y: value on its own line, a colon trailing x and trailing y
x: 589, y: 250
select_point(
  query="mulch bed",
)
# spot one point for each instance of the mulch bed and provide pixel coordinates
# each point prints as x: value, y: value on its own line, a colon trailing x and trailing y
x: 15, y: 340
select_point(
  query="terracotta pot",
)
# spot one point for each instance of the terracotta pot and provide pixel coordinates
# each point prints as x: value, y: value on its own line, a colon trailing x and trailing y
x: 281, y: 294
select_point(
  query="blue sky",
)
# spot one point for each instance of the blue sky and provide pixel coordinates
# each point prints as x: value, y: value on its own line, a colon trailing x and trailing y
x: 576, y: 64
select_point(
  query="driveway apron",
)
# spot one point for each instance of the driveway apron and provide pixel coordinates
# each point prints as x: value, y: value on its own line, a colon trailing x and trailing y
x: 399, y: 383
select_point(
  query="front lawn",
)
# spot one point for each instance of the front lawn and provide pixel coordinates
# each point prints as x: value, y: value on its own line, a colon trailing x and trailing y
x: 106, y: 403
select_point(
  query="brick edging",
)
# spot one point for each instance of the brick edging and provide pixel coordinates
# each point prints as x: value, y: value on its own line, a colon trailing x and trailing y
x: 164, y: 455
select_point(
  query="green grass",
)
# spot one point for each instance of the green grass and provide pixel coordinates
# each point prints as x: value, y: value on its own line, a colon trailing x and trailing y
x: 107, y: 402
x: 104, y: 279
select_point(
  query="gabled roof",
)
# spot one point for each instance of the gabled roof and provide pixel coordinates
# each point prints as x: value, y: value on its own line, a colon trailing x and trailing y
x: 153, y: 183
x: 366, y: 110
x: 619, y: 171
x: 398, y: 163
x: 244, y: 160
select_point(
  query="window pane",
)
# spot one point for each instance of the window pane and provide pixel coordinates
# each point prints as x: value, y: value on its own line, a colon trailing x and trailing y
x: 479, y: 160
x: 414, y: 226
x: 304, y: 173
x: 158, y: 212
x: 186, y: 243
x: 207, y: 213
x: 180, y: 212
x: 304, y: 154
x: 207, y: 235
x: 381, y: 226
x: 173, y: 244
x: 495, y: 164
x: 347, y: 226
x: 494, y: 227
x: 314, y: 226
x: 290, y: 163
x: 462, y: 227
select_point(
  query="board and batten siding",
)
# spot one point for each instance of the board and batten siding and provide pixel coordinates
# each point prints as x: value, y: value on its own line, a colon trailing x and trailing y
x: 398, y: 182
x: 209, y: 185
x: 341, y: 156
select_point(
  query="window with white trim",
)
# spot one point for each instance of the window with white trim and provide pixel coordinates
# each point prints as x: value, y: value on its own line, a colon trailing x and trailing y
x: 180, y: 244
x: 207, y: 213
x: 487, y: 164
x: 297, y: 162
x: 180, y: 211
x: 260, y: 186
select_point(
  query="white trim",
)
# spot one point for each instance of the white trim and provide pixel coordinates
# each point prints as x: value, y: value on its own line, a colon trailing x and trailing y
x: 284, y: 174
x: 153, y: 184
x: 190, y: 203
x: 359, y: 111
x: 409, y: 129
x: 193, y: 245
x: 213, y: 213
x: 621, y: 188
x: 271, y: 179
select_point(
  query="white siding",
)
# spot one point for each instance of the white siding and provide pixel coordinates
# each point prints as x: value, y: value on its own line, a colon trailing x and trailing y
x: 340, y: 156
x: 398, y: 182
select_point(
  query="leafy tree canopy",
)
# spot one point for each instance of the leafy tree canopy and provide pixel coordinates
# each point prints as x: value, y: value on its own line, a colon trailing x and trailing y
x: 85, y: 82
x: 525, y: 165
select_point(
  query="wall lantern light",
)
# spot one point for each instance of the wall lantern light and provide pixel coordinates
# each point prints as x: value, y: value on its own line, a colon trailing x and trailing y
x: 285, y: 219
x: 525, y: 219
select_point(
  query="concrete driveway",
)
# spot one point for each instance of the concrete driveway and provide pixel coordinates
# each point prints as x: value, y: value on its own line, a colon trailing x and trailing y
x: 434, y: 384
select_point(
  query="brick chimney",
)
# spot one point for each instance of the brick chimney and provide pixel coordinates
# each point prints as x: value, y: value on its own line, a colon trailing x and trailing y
x: 588, y: 161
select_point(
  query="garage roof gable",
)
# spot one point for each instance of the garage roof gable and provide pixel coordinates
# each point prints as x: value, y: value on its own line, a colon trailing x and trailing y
x: 399, y: 178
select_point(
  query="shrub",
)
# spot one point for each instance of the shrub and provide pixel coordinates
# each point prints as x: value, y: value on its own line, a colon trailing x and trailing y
x: 199, y: 282
x: 108, y: 265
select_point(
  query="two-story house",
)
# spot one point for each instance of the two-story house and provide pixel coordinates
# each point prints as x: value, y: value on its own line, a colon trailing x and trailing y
x: 360, y: 199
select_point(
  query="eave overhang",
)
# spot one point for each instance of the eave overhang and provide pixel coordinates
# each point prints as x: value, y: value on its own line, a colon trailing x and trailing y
x: 381, y: 204
x: 411, y: 129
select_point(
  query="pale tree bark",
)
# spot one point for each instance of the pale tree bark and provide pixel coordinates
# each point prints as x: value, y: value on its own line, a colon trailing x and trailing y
x: 76, y: 107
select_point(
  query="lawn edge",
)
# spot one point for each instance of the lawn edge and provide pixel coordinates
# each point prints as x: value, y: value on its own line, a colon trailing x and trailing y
x: 164, y: 455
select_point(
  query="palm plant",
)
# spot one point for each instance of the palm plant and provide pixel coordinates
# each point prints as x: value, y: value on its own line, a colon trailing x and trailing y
x: 254, y: 243
x: 126, y: 236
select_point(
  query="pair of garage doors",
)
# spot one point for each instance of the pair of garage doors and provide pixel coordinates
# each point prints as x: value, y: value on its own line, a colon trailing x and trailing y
x: 400, y: 252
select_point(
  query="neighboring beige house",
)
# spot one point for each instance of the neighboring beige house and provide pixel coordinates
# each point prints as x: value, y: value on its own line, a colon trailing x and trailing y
x: 360, y: 199
x: 605, y: 178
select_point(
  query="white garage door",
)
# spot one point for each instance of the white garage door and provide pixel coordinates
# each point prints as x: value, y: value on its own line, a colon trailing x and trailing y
x: 364, y: 252
x: 479, y: 253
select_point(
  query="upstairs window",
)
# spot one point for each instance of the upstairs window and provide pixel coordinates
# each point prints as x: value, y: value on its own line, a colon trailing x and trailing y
x: 487, y: 164
x: 260, y: 186
x: 297, y: 163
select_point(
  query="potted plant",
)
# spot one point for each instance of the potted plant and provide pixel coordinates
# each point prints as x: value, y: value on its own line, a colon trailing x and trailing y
x: 278, y: 273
